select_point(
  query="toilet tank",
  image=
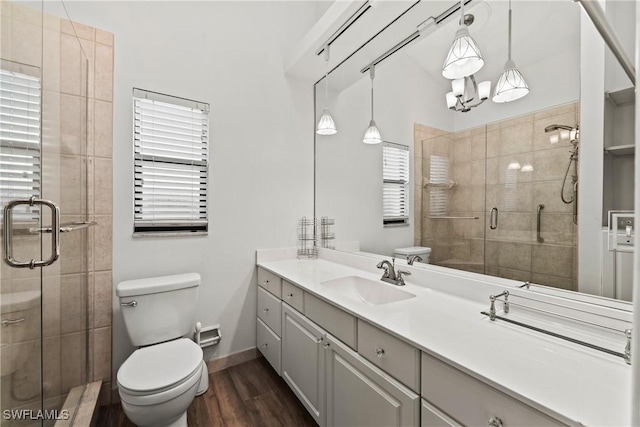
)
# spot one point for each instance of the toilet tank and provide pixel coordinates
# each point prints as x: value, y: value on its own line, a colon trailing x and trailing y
x: 158, y: 309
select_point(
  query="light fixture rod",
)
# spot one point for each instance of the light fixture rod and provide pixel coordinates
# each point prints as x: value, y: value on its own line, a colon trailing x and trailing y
x: 603, y: 26
x: 509, y: 30
x: 326, y: 77
x: 372, y: 74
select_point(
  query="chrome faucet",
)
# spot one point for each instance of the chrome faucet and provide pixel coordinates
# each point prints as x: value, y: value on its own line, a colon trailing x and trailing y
x: 390, y: 274
x: 412, y: 258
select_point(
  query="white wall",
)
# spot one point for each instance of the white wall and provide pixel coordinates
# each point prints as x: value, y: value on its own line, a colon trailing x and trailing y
x: 231, y: 55
x: 349, y: 172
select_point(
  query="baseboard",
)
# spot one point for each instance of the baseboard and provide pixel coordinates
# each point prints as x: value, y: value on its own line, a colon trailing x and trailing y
x: 225, y: 362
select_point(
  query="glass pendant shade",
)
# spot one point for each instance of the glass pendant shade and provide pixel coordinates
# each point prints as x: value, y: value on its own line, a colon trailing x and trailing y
x: 326, y: 125
x: 372, y: 135
x: 511, y: 84
x: 464, y: 57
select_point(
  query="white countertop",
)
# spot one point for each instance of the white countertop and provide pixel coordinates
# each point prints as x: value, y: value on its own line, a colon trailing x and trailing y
x: 570, y: 382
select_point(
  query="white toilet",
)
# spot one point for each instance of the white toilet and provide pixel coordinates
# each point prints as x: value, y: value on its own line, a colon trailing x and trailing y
x: 158, y: 382
x: 422, y: 251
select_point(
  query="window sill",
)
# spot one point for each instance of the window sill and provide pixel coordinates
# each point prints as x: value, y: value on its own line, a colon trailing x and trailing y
x: 170, y: 234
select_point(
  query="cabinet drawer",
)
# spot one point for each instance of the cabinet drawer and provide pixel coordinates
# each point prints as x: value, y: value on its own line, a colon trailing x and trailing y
x: 472, y: 402
x: 269, y: 345
x: 269, y: 309
x: 292, y: 295
x: 270, y: 282
x: 433, y: 417
x: 335, y: 321
x: 396, y: 357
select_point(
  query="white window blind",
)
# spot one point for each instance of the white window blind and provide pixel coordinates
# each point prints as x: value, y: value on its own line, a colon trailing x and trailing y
x: 395, y: 187
x: 20, y: 105
x: 171, y: 139
x: 439, y: 183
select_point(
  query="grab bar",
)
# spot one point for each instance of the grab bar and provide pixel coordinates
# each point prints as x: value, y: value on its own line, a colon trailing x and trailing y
x: 539, y: 237
x: 66, y: 228
x: 454, y: 217
x: 493, y: 219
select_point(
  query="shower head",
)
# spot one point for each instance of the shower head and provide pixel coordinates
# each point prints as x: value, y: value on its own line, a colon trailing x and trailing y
x: 564, y: 132
x: 552, y: 128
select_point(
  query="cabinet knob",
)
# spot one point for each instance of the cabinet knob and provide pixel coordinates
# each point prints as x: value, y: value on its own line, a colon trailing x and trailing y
x: 495, y: 422
x: 289, y: 295
x: 265, y: 345
x: 266, y: 282
x: 380, y: 352
x: 319, y: 340
x: 265, y: 310
x: 327, y: 345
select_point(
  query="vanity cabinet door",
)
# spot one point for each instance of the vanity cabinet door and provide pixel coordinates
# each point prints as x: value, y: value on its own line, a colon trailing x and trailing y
x: 360, y: 394
x: 303, y: 361
x: 433, y: 417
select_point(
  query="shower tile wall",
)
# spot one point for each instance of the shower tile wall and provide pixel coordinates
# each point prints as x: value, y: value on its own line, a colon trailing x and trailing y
x: 483, y: 164
x: 77, y: 159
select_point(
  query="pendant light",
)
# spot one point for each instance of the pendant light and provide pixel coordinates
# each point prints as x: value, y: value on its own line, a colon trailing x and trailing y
x: 326, y: 125
x: 372, y: 135
x: 464, y: 57
x: 511, y: 84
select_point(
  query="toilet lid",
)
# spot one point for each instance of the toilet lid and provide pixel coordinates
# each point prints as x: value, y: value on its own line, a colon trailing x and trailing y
x: 160, y: 366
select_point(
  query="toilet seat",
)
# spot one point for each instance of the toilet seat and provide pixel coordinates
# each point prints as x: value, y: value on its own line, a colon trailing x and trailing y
x: 159, y: 372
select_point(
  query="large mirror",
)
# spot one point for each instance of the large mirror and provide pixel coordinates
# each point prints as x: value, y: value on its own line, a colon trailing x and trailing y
x: 520, y: 189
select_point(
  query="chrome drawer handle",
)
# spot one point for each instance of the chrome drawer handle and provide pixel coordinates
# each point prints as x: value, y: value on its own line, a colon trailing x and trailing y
x: 129, y: 304
x: 289, y: 295
x: 265, y: 310
x: 495, y: 422
x: 266, y: 282
x: 12, y: 321
x: 380, y: 352
x: 327, y: 345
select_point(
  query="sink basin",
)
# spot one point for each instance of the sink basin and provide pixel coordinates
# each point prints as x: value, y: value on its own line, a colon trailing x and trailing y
x: 366, y: 290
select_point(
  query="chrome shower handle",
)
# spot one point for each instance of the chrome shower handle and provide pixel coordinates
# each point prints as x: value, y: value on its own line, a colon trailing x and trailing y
x: 539, y: 238
x: 493, y: 218
x: 8, y: 233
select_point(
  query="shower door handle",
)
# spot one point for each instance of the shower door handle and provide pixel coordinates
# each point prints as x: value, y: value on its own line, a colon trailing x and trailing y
x: 8, y: 233
x: 539, y: 238
x: 493, y: 219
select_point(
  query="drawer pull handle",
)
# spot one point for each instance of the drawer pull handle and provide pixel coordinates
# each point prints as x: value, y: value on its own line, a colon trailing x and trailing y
x: 319, y: 340
x: 380, y: 352
x: 289, y: 295
x: 265, y: 345
x: 12, y: 321
x: 327, y: 345
x: 265, y: 310
x: 495, y: 422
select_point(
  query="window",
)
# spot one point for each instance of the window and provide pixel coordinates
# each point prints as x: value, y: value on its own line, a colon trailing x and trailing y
x: 20, y: 104
x: 395, y: 187
x: 170, y: 164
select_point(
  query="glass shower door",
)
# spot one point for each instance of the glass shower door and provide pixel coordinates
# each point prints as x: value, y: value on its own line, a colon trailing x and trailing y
x: 453, y: 203
x: 43, y: 154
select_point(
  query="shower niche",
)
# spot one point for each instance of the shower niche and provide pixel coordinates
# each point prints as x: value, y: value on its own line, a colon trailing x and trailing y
x: 619, y: 151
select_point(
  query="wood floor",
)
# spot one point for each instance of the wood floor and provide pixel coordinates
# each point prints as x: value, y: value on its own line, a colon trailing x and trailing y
x: 249, y: 394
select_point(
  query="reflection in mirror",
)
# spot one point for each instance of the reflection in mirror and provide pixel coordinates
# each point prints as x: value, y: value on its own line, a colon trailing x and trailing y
x: 495, y: 189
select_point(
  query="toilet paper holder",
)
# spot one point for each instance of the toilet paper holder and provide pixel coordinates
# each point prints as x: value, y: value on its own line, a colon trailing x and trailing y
x: 206, y: 336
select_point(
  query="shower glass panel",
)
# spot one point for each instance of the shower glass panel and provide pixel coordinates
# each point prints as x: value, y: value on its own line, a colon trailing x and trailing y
x: 43, y: 141
x: 453, y: 201
x: 491, y: 198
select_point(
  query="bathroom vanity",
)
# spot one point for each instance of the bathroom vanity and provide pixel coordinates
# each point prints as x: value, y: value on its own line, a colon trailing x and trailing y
x: 357, y: 351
